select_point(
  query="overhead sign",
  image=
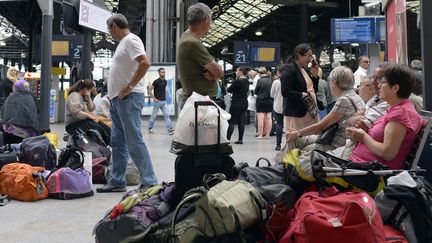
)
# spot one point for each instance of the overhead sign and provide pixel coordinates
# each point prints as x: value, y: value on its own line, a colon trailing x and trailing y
x: 93, y: 17
x: 356, y: 30
x: 256, y: 53
x: 65, y: 48
x: 58, y: 71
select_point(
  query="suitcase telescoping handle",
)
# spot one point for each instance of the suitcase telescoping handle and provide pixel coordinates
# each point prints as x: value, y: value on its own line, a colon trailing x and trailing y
x: 206, y: 103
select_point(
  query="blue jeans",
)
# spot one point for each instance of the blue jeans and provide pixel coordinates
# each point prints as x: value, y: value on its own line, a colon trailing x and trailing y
x: 162, y: 106
x: 127, y: 139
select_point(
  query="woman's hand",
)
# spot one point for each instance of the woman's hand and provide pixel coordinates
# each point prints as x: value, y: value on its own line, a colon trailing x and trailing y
x: 291, y: 135
x: 356, y: 134
x: 362, y: 125
x: 94, y: 117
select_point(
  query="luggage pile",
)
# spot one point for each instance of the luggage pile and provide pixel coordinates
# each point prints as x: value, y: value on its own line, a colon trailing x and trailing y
x: 215, y: 200
x: 30, y: 171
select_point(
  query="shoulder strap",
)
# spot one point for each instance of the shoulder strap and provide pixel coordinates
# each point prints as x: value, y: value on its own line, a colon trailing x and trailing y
x: 352, y: 102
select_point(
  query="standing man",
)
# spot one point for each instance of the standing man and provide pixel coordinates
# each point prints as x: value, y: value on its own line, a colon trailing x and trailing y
x: 363, y: 62
x: 126, y: 92
x: 157, y: 91
x: 198, y: 70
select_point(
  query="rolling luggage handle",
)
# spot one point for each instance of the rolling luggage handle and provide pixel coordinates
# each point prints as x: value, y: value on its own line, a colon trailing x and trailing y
x: 203, y: 158
x: 206, y: 103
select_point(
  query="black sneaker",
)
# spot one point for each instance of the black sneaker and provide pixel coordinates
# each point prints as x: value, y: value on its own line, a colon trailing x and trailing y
x: 239, y: 142
x: 110, y: 188
x: 278, y: 147
x: 144, y: 188
x: 171, y: 132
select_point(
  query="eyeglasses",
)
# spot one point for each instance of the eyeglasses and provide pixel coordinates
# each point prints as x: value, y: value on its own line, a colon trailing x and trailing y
x: 310, y: 56
x: 368, y: 62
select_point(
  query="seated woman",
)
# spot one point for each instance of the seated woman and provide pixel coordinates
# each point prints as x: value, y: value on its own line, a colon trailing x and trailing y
x: 392, y: 136
x: 19, y: 115
x: 341, y: 85
x: 79, y: 111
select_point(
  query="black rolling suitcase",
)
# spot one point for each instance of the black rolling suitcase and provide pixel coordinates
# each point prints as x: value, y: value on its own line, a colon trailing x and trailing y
x: 191, y: 167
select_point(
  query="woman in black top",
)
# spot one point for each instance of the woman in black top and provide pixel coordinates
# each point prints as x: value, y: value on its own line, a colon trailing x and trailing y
x: 239, y: 89
x: 296, y: 82
x: 264, y: 104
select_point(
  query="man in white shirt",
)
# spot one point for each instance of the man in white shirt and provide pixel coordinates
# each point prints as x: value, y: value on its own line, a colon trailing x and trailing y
x: 126, y: 92
x: 363, y: 62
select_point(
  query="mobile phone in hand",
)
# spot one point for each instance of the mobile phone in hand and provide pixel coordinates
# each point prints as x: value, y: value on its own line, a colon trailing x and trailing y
x: 314, y: 62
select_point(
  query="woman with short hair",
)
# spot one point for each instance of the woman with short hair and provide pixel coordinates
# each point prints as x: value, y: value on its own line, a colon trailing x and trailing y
x: 392, y: 136
x: 348, y: 103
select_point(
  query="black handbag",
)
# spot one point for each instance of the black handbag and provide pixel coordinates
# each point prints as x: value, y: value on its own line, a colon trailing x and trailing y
x: 328, y: 134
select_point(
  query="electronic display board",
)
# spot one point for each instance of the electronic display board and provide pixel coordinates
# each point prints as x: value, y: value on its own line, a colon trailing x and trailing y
x: 357, y: 30
x: 256, y: 53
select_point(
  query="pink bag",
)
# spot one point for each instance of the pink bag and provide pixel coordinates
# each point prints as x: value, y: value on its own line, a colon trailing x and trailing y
x: 66, y: 183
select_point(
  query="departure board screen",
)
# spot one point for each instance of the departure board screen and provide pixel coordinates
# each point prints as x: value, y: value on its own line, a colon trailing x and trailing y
x: 353, y: 30
x: 256, y: 53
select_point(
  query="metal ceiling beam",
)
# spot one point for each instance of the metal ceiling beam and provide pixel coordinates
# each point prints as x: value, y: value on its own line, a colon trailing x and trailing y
x: 309, y: 3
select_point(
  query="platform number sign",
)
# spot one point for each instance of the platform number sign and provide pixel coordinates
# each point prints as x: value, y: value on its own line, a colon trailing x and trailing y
x: 77, y: 52
x: 240, y: 57
x: 256, y: 53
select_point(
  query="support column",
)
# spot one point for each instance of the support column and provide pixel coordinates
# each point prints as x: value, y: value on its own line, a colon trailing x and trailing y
x: 303, y: 23
x: 46, y: 61
x: 426, y: 35
x: 149, y: 47
x: 86, y: 54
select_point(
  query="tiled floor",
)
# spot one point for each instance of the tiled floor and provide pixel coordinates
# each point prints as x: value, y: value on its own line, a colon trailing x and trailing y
x: 72, y: 221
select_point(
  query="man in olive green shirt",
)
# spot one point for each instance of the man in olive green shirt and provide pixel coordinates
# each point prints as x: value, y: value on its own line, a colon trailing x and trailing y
x: 198, y: 70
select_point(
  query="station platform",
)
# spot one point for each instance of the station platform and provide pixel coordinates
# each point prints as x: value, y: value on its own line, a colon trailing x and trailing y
x: 72, y: 221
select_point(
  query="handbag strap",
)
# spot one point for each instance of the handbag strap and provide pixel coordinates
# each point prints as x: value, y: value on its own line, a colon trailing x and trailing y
x: 352, y: 102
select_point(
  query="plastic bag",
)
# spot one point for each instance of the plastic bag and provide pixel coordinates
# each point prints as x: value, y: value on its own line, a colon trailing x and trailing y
x: 251, y: 103
x: 184, y: 135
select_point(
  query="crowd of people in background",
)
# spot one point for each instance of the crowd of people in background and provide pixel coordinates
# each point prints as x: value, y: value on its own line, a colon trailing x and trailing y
x: 280, y: 94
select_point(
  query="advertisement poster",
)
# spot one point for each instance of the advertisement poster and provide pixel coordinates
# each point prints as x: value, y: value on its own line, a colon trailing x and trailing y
x: 396, y: 34
x: 170, y: 77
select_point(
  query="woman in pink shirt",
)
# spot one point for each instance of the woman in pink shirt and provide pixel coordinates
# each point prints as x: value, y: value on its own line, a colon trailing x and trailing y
x: 391, y: 138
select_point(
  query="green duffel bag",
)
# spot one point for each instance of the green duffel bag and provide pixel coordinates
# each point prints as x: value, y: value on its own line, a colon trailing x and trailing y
x: 227, y: 207
x: 132, y: 173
